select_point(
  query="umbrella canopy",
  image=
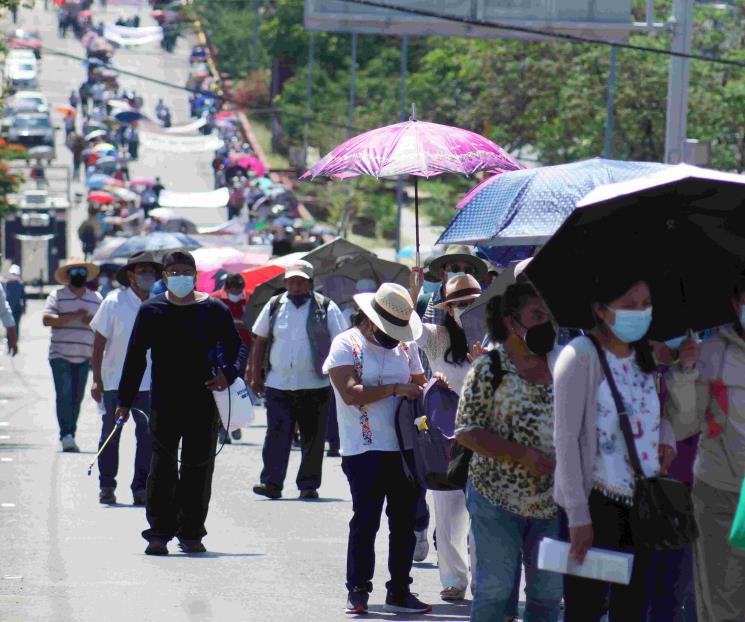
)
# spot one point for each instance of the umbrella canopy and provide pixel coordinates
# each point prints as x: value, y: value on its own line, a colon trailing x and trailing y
x: 525, y: 208
x: 124, y: 194
x: 128, y: 116
x: 413, y: 148
x: 95, y: 134
x: 99, y: 196
x: 67, y: 110
x: 253, y: 163
x: 683, y: 228
x: 103, y: 147
x: 142, y: 181
x: 97, y: 181
x: 225, y: 114
x: 158, y: 242
x: 162, y: 213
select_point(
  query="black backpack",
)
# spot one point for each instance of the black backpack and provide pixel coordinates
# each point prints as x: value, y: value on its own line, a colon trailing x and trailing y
x: 460, y: 456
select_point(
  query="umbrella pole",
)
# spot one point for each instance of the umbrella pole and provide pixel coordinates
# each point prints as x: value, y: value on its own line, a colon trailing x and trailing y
x: 416, y: 218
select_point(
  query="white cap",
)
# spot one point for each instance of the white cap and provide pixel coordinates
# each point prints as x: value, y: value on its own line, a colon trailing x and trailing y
x: 301, y: 268
x: 15, y: 270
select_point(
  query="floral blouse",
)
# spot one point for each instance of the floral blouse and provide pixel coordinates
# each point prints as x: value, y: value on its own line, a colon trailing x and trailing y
x: 519, y: 412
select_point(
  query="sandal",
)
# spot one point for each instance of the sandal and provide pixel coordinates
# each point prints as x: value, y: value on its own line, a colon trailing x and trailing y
x: 452, y: 593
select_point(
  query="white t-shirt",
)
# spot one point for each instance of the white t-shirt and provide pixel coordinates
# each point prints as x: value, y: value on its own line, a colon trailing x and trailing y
x: 291, y: 359
x: 435, y: 341
x: 373, y: 430
x: 115, y: 319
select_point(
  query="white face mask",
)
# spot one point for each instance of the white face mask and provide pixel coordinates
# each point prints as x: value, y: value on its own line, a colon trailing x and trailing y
x: 235, y: 297
x: 457, y: 313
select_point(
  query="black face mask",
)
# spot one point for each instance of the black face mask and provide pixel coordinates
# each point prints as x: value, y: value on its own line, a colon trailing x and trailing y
x: 78, y: 280
x: 540, y: 339
x: 384, y: 341
x: 299, y: 299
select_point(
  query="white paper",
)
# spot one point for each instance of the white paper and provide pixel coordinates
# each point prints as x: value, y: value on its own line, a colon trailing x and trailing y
x: 600, y: 564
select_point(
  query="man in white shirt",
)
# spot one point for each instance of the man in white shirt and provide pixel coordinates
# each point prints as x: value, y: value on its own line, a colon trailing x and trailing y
x: 113, y: 325
x: 293, y: 336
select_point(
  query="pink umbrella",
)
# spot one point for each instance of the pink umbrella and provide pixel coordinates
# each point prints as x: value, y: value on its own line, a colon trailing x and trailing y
x: 225, y: 114
x: 413, y: 148
x: 254, y: 164
x: 141, y: 181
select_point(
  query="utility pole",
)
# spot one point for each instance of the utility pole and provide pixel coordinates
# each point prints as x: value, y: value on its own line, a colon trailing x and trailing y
x: 677, y: 85
x: 402, y: 114
x: 352, y: 85
x: 309, y: 94
x: 610, y: 104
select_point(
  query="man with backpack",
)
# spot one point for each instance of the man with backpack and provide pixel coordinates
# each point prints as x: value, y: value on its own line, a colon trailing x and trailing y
x: 293, y: 335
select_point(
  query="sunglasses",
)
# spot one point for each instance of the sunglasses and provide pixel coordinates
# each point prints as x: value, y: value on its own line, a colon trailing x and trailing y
x: 77, y: 272
x: 461, y: 305
x: 465, y: 268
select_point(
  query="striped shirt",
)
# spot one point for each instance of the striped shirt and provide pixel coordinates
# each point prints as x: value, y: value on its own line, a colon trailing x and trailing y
x: 73, y: 342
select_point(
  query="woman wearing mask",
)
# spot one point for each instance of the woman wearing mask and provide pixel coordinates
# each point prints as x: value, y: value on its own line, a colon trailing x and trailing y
x: 372, y: 366
x: 705, y: 394
x: 508, y: 422
x: 594, y: 479
x: 447, y: 351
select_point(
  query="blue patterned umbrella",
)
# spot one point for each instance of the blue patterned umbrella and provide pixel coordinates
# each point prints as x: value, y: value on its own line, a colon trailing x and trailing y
x: 157, y: 242
x: 525, y: 207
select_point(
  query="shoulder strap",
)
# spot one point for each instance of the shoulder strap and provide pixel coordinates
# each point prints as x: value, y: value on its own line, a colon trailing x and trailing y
x: 322, y: 301
x: 623, y: 415
x: 274, y: 304
x: 495, y: 366
x: 406, y: 459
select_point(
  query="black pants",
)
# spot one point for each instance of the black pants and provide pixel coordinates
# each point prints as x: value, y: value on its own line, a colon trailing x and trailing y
x: 585, y: 600
x: 308, y: 409
x: 376, y: 477
x: 178, y: 495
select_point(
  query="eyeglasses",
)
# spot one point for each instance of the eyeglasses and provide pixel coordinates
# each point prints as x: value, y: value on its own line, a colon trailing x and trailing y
x: 77, y: 272
x: 464, y: 267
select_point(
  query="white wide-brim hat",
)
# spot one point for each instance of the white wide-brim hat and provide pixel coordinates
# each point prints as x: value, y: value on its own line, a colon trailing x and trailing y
x: 391, y: 310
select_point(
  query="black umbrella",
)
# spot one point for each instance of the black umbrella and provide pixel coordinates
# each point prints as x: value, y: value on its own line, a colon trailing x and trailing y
x: 685, y: 228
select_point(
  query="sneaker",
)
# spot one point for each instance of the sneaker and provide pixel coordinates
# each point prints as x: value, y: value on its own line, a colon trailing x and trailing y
x: 452, y: 594
x: 404, y: 602
x: 308, y: 493
x: 156, y: 547
x: 421, y: 550
x: 192, y: 546
x: 107, y: 496
x: 69, y: 445
x: 268, y: 490
x: 357, y: 601
x: 139, y: 498
x: 223, y: 438
x: 236, y: 434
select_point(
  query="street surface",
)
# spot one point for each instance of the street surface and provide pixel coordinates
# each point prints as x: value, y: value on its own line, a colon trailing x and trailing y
x: 69, y: 559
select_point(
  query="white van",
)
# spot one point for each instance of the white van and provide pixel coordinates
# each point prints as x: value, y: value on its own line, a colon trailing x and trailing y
x: 21, y: 74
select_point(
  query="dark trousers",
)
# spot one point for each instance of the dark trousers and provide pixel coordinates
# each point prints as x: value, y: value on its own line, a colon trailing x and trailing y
x: 17, y: 314
x: 178, y: 495
x: 69, y: 385
x: 376, y: 477
x: 108, y: 461
x: 585, y: 600
x: 671, y: 594
x: 422, y: 511
x: 332, y: 427
x: 308, y: 409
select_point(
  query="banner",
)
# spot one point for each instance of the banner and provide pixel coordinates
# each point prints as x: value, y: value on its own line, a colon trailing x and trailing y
x: 189, y: 128
x: 179, y: 144
x: 125, y: 37
x: 210, y: 199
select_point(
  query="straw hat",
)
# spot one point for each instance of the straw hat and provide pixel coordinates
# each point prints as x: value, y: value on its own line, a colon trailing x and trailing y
x: 460, y: 288
x: 141, y: 257
x: 391, y: 310
x: 60, y: 274
x: 458, y: 253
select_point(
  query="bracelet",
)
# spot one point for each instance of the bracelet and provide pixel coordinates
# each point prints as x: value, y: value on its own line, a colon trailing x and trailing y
x: 394, y: 390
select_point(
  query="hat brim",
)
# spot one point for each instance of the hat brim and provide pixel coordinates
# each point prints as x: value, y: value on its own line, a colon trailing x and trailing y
x: 411, y: 332
x: 121, y: 274
x: 439, y: 263
x: 289, y: 275
x: 468, y: 298
x: 60, y: 275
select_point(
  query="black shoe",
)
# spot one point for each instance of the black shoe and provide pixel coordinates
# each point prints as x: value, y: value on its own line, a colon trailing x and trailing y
x: 357, y: 601
x: 192, y: 546
x: 309, y: 493
x: 333, y: 453
x: 107, y: 496
x: 236, y: 434
x: 139, y: 498
x: 405, y: 602
x: 156, y: 547
x: 268, y: 490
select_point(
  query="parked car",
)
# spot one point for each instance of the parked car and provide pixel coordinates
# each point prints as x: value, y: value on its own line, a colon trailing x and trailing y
x: 30, y: 99
x: 26, y: 39
x: 31, y: 129
x: 21, y: 74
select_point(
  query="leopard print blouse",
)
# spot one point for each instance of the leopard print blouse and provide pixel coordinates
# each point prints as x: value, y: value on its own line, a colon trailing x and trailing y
x: 520, y: 412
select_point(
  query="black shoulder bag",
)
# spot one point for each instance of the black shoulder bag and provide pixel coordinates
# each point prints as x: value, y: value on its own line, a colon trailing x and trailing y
x: 662, y: 512
x: 460, y: 456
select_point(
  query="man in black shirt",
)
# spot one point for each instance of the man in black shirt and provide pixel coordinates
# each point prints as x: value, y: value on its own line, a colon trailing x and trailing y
x: 194, y: 348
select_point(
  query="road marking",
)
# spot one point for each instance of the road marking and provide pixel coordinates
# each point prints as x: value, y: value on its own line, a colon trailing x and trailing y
x: 4, y: 437
x: 7, y: 505
x: 3, y: 424
x: 12, y: 577
x: 6, y: 459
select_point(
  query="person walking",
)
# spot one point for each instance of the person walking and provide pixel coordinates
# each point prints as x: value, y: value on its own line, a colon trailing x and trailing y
x: 15, y: 294
x: 76, y: 144
x: 705, y: 396
x: 456, y: 261
x: 69, y: 311
x: 6, y: 317
x: 112, y: 326
x: 594, y: 479
x: 74, y: 99
x: 292, y: 336
x: 185, y: 331
x: 371, y: 366
x: 505, y: 416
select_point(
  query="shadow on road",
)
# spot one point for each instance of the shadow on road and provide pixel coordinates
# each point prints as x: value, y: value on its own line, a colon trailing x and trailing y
x: 447, y: 612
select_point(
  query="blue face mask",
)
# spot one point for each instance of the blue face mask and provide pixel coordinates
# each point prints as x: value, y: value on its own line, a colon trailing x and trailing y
x: 180, y: 286
x: 429, y: 287
x: 675, y: 343
x: 631, y: 326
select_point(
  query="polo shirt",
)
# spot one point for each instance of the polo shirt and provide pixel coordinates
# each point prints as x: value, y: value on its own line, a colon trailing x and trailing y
x: 291, y: 359
x: 73, y: 342
x: 115, y: 319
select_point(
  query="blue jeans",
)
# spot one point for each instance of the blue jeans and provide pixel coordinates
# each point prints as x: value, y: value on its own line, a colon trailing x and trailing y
x: 500, y: 537
x: 671, y: 594
x: 69, y: 385
x: 108, y: 461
